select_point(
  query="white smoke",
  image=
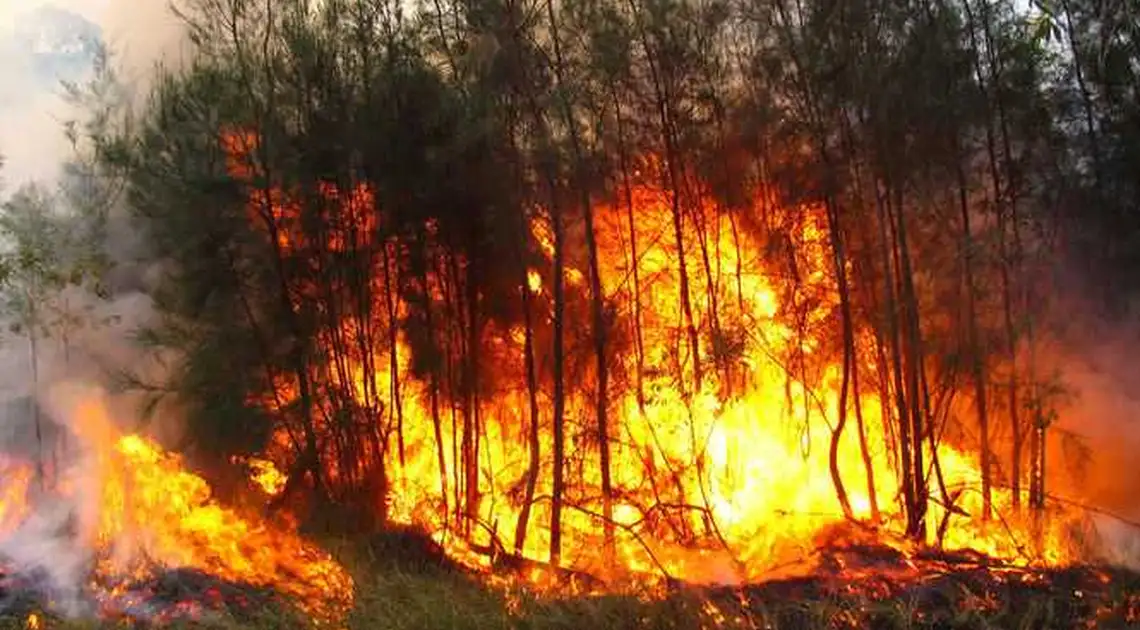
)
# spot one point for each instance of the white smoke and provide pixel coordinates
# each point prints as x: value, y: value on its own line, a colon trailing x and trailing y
x: 139, y: 34
x: 52, y: 546
x: 55, y: 546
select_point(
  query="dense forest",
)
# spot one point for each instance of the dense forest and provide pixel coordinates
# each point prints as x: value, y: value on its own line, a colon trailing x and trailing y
x: 545, y: 275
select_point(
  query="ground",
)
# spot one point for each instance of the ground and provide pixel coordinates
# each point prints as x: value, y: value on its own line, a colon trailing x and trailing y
x: 398, y: 590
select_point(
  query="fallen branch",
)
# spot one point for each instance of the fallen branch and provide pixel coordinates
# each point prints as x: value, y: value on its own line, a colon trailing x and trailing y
x: 632, y: 532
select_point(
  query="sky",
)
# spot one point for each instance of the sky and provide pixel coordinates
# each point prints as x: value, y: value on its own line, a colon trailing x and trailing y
x: 140, y: 33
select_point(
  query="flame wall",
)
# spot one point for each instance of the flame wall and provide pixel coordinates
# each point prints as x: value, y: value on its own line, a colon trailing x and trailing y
x: 729, y: 482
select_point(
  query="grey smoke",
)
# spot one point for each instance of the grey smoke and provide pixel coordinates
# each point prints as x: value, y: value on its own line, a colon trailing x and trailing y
x: 44, y: 42
x: 41, y: 44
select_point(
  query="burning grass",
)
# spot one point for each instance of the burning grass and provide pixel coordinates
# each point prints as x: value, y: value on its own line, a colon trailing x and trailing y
x: 405, y: 582
x: 125, y: 531
x: 159, y: 550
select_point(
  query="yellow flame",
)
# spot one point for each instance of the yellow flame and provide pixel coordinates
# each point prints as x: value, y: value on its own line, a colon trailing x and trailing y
x: 153, y: 513
x: 729, y: 480
x: 267, y: 476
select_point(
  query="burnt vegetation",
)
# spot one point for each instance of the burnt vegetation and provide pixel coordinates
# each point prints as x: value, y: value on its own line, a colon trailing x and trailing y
x: 540, y: 277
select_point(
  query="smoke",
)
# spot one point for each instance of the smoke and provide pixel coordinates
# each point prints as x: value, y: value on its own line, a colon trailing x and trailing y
x: 1094, y: 437
x: 44, y: 42
x: 65, y: 411
x: 80, y: 415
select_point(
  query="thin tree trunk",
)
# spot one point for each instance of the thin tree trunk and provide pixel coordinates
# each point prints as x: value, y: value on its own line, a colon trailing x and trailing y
x: 976, y: 361
x: 559, y: 430
x: 33, y: 351
x: 916, y: 523
x: 635, y: 262
x: 1085, y: 92
x: 596, y: 307
x: 839, y: 260
x: 534, y: 441
x: 558, y: 403
x: 887, y: 249
x: 433, y: 395
x: 393, y: 350
x: 673, y: 184
x: 997, y: 62
x: 472, y: 427
x: 864, y: 449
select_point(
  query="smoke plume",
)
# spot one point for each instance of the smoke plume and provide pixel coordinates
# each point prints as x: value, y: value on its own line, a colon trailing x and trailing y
x: 44, y: 42
x: 46, y: 412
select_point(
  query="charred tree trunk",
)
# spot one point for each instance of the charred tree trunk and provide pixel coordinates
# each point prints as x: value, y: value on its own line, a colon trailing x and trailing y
x: 533, y: 434
x: 434, y: 393
x: 635, y: 263
x: 888, y: 248
x: 471, y: 416
x: 673, y: 183
x: 558, y: 426
x: 839, y: 260
x: 559, y: 403
x: 977, y: 364
x: 916, y: 520
x: 1007, y: 222
x: 310, y: 460
x: 601, y: 401
x: 864, y: 448
x: 393, y: 348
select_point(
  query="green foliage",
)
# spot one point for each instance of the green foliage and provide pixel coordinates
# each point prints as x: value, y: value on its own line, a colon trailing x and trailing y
x: 45, y: 250
x: 958, y: 147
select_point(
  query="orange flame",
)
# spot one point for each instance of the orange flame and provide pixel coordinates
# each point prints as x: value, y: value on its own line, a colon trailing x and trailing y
x: 153, y: 513
x: 726, y: 483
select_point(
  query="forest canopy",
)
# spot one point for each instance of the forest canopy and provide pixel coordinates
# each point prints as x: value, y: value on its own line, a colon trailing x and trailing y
x: 527, y: 271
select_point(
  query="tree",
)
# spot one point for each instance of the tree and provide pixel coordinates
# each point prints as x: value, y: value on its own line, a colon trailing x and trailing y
x: 44, y: 253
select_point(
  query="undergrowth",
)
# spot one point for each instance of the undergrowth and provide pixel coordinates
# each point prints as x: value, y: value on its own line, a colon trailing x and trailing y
x: 418, y: 590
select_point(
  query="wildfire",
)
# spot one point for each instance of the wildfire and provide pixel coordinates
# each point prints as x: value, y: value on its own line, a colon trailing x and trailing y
x: 726, y: 482
x: 153, y: 515
x: 13, y: 508
x: 265, y: 475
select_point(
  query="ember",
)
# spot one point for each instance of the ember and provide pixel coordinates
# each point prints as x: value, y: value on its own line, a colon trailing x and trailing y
x: 935, y: 591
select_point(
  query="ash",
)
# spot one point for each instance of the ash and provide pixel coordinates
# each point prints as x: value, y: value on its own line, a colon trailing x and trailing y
x: 165, y: 596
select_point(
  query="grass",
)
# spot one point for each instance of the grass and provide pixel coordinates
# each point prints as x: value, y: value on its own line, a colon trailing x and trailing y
x: 398, y: 591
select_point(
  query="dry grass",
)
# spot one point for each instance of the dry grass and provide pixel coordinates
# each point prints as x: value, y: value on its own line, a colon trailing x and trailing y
x: 394, y: 593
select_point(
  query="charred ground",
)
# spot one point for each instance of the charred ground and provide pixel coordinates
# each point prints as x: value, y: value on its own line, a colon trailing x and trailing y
x: 405, y: 582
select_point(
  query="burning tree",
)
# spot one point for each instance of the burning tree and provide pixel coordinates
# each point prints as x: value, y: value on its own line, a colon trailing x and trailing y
x: 674, y: 280
x: 95, y: 520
